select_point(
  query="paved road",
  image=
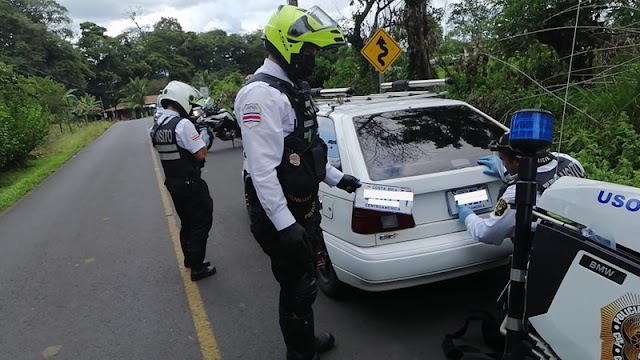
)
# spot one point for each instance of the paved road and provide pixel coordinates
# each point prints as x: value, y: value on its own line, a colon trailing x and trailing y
x: 88, y: 271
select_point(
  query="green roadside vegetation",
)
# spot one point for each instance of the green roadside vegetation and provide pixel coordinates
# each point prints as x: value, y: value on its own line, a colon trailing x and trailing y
x: 57, y: 149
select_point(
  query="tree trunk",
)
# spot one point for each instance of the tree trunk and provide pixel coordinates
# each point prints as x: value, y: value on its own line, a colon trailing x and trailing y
x: 419, y: 39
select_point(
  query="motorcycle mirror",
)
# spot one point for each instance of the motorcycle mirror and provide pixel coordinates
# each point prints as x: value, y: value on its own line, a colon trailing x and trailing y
x: 197, y: 112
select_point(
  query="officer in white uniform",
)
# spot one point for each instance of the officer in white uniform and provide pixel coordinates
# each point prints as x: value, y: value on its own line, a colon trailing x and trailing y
x: 286, y: 160
x: 264, y: 141
x: 501, y: 222
x: 182, y: 153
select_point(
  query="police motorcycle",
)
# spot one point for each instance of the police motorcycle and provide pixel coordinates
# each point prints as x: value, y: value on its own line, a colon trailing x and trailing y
x: 218, y: 121
x: 574, y: 290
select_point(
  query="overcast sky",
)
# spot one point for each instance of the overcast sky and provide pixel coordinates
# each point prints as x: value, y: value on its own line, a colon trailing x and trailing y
x: 233, y: 16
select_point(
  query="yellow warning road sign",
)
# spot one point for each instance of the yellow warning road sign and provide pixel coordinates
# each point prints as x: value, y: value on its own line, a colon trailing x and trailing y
x: 381, y: 50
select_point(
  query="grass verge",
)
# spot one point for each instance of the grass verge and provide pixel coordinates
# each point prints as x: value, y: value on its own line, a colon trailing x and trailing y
x: 45, y: 160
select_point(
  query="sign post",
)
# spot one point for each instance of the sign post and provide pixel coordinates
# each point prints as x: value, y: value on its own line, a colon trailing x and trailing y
x: 381, y: 51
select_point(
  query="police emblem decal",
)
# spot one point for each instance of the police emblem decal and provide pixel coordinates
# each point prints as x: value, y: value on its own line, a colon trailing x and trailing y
x: 501, y: 207
x: 620, y: 329
x: 251, y: 115
x: 294, y: 159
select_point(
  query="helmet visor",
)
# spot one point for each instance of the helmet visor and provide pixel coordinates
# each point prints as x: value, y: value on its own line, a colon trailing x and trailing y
x: 315, y: 19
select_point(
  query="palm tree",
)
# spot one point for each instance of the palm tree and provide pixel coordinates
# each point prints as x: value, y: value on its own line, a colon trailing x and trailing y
x: 133, y: 94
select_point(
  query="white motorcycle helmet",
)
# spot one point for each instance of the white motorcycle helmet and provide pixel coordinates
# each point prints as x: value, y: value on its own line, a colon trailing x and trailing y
x: 183, y: 94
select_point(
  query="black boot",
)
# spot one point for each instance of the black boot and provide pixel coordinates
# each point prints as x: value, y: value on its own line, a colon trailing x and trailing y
x: 324, y: 342
x: 202, y: 272
x: 299, y: 337
x: 188, y: 266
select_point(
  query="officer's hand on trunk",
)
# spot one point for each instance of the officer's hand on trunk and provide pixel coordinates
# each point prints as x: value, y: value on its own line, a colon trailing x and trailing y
x: 493, y: 164
x: 293, y: 241
x: 349, y: 183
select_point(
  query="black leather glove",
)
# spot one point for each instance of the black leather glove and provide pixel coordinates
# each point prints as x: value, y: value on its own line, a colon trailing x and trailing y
x: 349, y: 183
x: 293, y: 241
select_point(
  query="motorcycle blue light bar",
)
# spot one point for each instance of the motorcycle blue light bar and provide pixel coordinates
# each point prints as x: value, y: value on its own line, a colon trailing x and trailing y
x: 531, y: 130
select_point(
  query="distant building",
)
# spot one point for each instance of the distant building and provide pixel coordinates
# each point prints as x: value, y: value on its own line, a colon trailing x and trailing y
x: 151, y: 103
x: 123, y: 111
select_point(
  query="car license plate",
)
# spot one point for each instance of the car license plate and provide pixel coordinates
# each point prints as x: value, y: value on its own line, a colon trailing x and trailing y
x: 476, y: 198
x: 384, y: 198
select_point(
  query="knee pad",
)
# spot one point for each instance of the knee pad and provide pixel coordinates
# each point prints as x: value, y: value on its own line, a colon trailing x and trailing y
x: 305, y: 294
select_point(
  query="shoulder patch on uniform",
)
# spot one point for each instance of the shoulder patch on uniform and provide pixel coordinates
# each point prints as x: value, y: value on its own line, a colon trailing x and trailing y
x: 251, y: 115
x: 195, y: 136
x: 501, y: 207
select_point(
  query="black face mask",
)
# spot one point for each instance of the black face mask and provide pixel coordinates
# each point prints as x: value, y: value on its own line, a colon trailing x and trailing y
x: 302, y: 68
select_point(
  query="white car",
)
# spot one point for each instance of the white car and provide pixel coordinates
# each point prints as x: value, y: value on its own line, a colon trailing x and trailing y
x: 423, y: 142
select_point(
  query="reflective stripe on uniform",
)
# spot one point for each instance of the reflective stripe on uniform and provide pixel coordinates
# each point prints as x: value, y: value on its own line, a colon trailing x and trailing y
x: 167, y: 148
x: 169, y: 156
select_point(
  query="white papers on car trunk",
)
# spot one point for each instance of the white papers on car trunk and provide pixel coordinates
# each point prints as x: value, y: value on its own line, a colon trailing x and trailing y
x: 385, y: 198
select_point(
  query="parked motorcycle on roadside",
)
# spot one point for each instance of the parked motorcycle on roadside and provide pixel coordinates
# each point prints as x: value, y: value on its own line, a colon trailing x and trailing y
x: 219, y: 122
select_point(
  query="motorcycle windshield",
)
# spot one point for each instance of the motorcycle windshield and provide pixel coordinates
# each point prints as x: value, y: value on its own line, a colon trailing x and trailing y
x: 208, y: 104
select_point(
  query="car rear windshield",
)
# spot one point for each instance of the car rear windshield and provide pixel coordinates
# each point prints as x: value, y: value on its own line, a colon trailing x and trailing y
x: 422, y: 141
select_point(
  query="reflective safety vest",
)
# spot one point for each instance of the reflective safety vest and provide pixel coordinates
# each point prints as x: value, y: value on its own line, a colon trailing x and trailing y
x: 176, y: 161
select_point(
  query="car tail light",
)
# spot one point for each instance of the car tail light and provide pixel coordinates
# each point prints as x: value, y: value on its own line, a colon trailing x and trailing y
x: 371, y: 221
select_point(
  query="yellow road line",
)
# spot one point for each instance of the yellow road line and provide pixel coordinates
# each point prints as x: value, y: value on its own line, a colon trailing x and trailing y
x: 204, y: 331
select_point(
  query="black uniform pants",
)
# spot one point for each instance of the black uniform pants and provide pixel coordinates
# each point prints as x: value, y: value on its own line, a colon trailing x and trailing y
x: 195, y: 209
x: 294, y: 273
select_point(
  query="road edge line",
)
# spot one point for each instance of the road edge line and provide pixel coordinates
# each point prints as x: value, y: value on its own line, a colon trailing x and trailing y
x: 203, y: 328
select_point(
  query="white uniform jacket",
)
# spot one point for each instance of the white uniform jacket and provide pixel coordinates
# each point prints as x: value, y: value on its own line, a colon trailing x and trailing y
x: 266, y: 117
x: 501, y: 223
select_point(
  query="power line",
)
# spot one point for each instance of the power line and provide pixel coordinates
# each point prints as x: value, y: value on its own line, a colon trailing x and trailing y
x: 542, y: 87
x: 566, y: 94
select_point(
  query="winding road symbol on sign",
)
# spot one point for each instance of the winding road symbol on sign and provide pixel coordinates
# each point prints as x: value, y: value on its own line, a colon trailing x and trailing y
x: 382, y: 44
x: 381, y: 50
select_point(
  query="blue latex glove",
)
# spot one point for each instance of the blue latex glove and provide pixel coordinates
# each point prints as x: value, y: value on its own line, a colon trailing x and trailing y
x: 205, y: 137
x: 493, y: 163
x: 463, y: 212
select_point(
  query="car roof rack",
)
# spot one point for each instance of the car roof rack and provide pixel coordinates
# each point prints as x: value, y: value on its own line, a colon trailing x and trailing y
x: 400, y: 89
x: 411, y: 84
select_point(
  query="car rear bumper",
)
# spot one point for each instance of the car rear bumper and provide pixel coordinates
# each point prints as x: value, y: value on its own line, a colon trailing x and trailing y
x: 411, y: 263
